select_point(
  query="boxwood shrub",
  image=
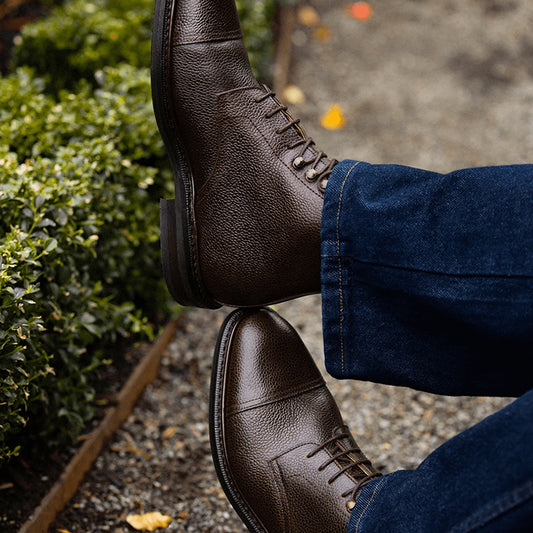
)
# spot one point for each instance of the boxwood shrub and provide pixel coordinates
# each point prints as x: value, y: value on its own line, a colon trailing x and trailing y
x: 78, y: 241
x: 77, y: 38
x: 82, y: 168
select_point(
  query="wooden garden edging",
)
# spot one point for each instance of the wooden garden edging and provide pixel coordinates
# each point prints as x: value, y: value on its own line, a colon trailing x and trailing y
x: 146, y: 371
x: 67, y: 485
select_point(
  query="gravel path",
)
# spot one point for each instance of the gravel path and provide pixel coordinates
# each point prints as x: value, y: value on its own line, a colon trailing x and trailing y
x: 441, y: 85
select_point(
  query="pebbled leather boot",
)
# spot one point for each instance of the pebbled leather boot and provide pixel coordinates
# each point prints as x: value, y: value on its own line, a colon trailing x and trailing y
x: 244, y: 226
x: 282, y: 453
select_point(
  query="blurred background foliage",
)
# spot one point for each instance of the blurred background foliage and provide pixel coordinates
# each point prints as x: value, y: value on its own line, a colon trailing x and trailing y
x: 79, y: 37
x: 82, y: 168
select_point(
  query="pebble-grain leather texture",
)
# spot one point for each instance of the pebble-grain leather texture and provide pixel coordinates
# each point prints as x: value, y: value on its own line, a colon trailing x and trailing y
x: 274, y: 410
x: 252, y: 224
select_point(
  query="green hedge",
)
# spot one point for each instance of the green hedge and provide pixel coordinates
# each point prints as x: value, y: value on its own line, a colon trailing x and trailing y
x: 81, y: 36
x: 82, y: 168
x: 256, y: 19
x: 79, y: 242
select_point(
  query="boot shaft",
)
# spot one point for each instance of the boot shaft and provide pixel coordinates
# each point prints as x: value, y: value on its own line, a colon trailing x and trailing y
x: 196, y: 21
x: 205, y: 55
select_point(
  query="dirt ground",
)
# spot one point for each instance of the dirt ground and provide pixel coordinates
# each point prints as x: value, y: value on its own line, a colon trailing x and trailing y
x: 439, y: 84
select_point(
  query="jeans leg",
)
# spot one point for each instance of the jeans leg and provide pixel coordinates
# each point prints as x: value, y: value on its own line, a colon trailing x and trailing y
x: 481, y: 480
x: 427, y: 278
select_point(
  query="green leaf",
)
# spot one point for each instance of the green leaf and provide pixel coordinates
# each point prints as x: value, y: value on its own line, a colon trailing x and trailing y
x: 39, y: 201
x: 51, y: 245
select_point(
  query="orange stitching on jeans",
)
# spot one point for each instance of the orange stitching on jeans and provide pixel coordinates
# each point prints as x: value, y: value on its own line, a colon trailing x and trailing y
x: 367, y: 505
x: 341, y: 295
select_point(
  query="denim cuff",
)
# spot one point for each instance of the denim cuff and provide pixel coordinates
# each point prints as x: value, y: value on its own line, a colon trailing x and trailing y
x: 422, y: 284
x: 364, y: 510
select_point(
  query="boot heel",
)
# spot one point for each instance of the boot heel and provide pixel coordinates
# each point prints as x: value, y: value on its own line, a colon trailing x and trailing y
x: 177, y: 283
x: 169, y: 251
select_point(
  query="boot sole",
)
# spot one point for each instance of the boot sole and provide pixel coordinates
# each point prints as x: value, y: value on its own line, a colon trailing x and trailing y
x: 178, y: 230
x: 216, y: 424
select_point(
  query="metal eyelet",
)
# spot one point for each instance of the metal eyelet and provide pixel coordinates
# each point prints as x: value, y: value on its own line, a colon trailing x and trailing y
x: 311, y: 175
x: 298, y: 163
x: 323, y: 184
x: 350, y: 504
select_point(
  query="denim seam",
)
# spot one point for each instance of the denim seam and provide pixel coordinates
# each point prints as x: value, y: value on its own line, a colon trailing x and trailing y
x: 367, y: 505
x: 496, y: 509
x: 341, y: 294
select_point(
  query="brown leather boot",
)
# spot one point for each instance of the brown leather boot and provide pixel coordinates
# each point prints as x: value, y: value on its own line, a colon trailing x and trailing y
x: 244, y: 228
x: 283, y: 455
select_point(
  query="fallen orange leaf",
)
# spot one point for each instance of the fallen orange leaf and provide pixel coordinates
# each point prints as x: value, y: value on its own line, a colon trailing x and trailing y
x: 169, y: 432
x: 333, y: 119
x: 292, y: 94
x: 308, y: 16
x: 361, y: 11
x: 148, y: 521
x: 322, y: 34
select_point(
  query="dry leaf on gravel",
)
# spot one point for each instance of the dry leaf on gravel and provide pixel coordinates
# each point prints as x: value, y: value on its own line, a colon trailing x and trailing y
x: 361, y: 11
x: 322, y: 34
x: 169, y: 432
x: 308, y: 16
x: 292, y: 94
x: 148, y: 521
x: 333, y: 119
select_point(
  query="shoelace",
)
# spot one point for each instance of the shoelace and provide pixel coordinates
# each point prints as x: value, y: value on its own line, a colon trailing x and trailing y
x: 352, y: 466
x: 312, y: 175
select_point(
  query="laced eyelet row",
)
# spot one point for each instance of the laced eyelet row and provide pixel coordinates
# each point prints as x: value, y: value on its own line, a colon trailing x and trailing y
x: 351, y: 467
x: 299, y: 163
x: 312, y: 175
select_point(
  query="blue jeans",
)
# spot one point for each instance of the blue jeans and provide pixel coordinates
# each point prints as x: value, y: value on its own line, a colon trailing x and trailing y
x: 427, y: 282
